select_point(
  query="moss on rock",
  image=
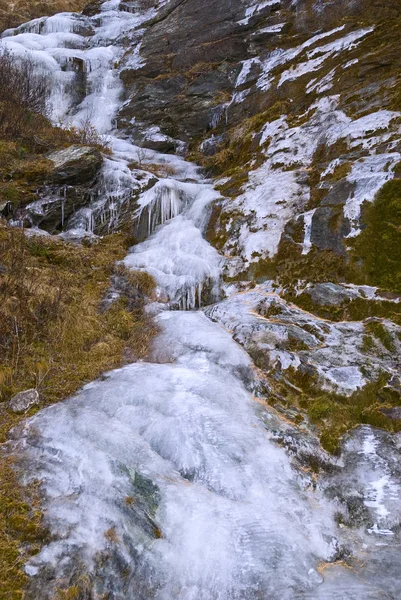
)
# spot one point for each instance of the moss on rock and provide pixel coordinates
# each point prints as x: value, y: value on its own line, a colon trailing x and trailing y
x: 377, y: 250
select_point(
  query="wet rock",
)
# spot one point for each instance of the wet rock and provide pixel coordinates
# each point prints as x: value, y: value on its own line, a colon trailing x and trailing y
x: 392, y: 413
x: 329, y: 228
x: 210, y: 146
x: 22, y: 401
x: 153, y: 140
x: 147, y: 491
x: 330, y: 294
x: 70, y: 185
x: 368, y: 483
x: 75, y: 165
x: 339, y: 193
x: 394, y: 383
x: 57, y: 205
x: 92, y: 8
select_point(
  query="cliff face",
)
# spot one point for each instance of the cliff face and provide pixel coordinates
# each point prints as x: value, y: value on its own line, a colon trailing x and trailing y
x: 293, y: 108
x: 324, y: 76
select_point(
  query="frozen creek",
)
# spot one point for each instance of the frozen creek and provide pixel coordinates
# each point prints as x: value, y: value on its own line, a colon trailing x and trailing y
x: 163, y: 479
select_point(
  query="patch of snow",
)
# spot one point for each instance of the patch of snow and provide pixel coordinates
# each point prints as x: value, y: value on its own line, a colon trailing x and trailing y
x: 271, y: 29
x: 280, y: 57
x: 368, y: 175
x: 307, y: 244
x: 273, y: 128
x: 322, y: 85
x: 312, y: 64
x: 245, y: 70
x: 258, y: 7
x: 354, y: 61
x: 348, y: 379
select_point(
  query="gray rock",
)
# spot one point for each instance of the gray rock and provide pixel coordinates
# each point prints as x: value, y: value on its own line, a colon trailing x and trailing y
x: 392, y: 413
x: 191, y: 52
x: 75, y: 165
x: 329, y: 228
x: 6, y: 208
x: 339, y: 193
x: 330, y: 294
x: 22, y: 401
x: 210, y: 146
x: 71, y: 185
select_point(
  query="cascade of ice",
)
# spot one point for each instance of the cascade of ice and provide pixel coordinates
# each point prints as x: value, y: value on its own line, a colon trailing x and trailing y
x: 82, y: 57
x: 162, y: 202
x: 229, y: 518
x: 87, y: 53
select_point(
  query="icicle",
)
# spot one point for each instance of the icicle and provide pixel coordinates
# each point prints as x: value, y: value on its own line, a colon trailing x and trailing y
x: 62, y: 205
x: 307, y: 244
x: 200, y: 286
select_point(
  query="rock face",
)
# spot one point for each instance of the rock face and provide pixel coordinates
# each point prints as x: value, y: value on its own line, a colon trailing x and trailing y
x: 191, y: 53
x: 223, y: 71
x: 75, y: 165
x: 69, y: 186
x: 23, y: 401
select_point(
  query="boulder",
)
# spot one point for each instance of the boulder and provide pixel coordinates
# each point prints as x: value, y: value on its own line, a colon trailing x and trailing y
x: 22, y: 401
x: 330, y: 294
x: 75, y: 165
x: 392, y: 413
x: 70, y: 186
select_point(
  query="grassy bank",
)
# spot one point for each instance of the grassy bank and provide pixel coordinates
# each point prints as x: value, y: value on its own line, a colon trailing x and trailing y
x: 56, y: 335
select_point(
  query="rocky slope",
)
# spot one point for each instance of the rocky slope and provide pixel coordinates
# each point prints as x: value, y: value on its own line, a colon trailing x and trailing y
x: 289, y: 238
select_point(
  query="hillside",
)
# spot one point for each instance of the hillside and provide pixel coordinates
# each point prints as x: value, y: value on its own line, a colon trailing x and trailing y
x: 208, y: 193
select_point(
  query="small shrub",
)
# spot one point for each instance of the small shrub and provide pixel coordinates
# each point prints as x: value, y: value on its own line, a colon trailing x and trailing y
x: 87, y: 135
x: 23, y: 93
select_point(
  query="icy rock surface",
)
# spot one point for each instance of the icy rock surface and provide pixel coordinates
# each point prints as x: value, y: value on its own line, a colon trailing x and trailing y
x: 278, y: 190
x: 180, y: 259
x: 234, y: 519
x: 292, y: 337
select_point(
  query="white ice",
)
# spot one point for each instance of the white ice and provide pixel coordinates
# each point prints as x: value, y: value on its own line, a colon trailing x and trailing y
x: 233, y: 516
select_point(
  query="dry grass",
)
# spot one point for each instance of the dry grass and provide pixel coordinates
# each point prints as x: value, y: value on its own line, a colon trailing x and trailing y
x: 20, y: 11
x: 20, y: 528
x: 54, y: 336
x: 160, y: 170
